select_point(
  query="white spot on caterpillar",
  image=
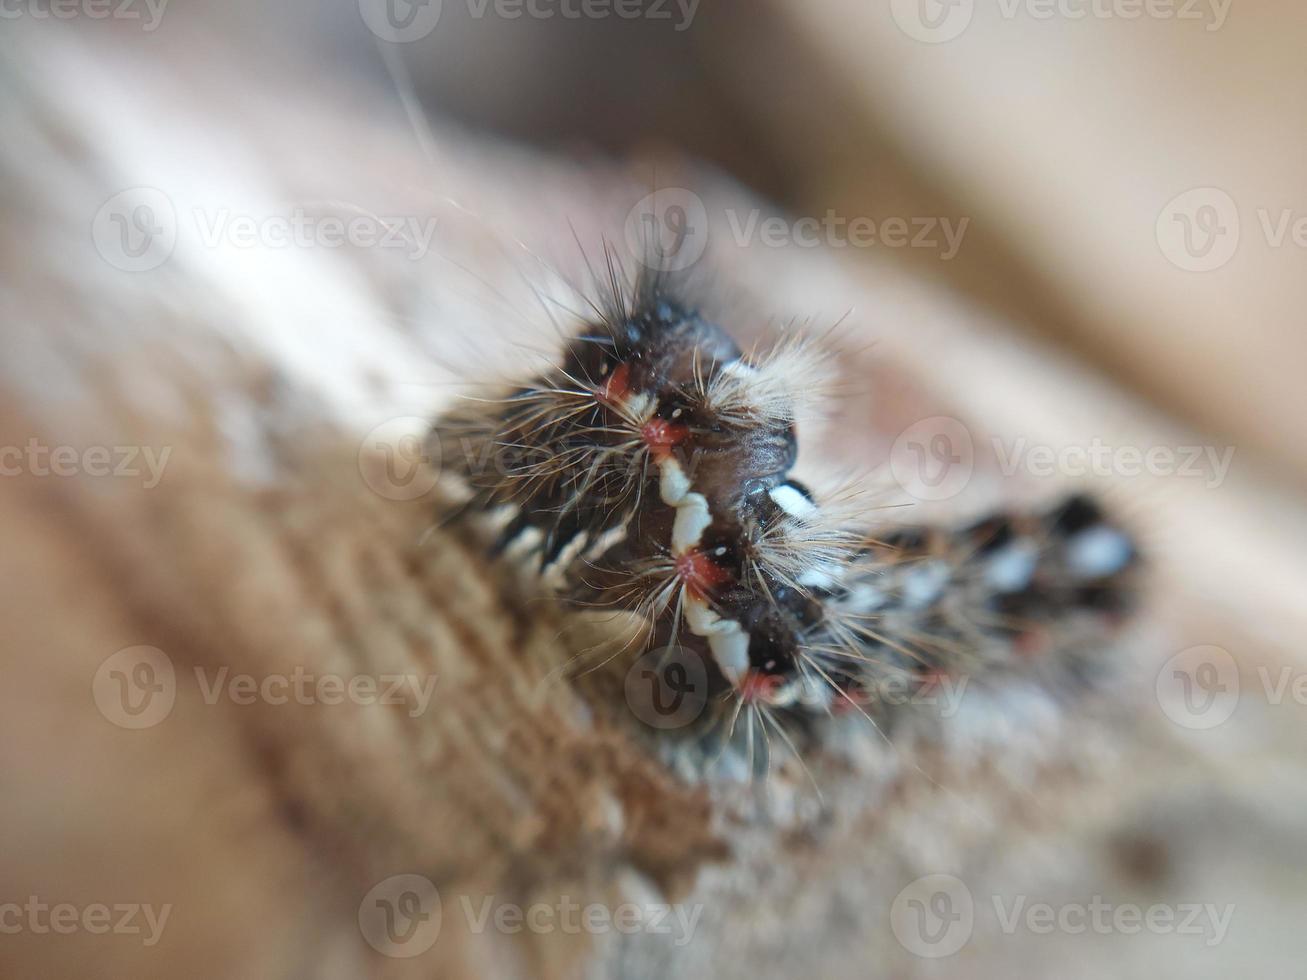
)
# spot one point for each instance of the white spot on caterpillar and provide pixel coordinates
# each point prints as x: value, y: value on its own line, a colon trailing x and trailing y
x: 639, y: 406
x: 772, y: 389
x: 703, y: 619
x: 809, y: 692
x: 865, y: 598
x: 740, y: 368
x: 527, y: 541
x: 794, y: 503
x: 498, y: 518
x: 555, y: 575
x: 817, y: 578
x: 731, y: 651
x: 923, y: 585
x: 456, y: 487
x: 727, y: 641
x: 692, y: 516
x: 785, y: 695
x: 1011, y: 568
x: 1097, y: 552
x: 611, y: 537
x: 816, y: 692
x: 673, y: 484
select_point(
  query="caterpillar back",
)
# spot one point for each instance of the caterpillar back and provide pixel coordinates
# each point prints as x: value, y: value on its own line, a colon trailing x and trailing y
x: 650, y: 472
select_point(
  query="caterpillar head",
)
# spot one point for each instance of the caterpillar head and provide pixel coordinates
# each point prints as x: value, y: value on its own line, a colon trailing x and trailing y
x: 777, y: 624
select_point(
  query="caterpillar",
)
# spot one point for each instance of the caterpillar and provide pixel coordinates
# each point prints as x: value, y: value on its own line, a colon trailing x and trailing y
x: 650, y: 471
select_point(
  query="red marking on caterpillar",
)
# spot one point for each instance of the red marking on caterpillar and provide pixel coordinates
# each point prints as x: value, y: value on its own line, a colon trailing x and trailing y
x: 662, y: 436
x: 616, y: 388
x: 700, y: 573
x: 757, y: 686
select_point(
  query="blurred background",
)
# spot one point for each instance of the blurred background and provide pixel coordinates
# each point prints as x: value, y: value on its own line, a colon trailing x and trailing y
x: 1128, y: 172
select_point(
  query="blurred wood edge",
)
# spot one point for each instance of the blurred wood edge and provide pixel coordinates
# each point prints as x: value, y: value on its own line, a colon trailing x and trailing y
x: 1062, y: 141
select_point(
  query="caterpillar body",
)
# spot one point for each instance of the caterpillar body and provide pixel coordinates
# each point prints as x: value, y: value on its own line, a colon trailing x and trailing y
x: 650, y: 472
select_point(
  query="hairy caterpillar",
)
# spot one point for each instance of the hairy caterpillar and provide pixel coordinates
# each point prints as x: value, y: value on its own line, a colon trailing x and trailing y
x: 650, y: 472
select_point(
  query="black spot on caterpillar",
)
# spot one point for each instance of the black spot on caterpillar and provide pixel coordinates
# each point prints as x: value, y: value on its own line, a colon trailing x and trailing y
x: 651, y: 471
